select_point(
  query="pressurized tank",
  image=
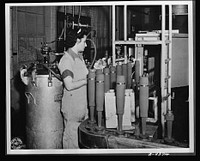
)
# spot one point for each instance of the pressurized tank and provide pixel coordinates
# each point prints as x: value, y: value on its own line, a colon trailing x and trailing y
x: 44, y: 122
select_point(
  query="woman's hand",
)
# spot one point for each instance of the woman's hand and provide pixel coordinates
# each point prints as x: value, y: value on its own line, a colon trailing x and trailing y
x: 71, y: 85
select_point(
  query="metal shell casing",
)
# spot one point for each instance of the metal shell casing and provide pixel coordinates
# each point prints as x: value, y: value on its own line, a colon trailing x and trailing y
x: 120, y: 94
x: 144, y: 95
x: 106, y: 79
x: 112, y: 77
x: 99, y: 92
x: 91, y: 87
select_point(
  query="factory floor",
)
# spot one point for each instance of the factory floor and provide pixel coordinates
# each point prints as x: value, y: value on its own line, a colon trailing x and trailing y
x: 180, y: 107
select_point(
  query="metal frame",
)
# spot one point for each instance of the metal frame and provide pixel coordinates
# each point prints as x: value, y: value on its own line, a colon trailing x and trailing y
x: 166, y: 56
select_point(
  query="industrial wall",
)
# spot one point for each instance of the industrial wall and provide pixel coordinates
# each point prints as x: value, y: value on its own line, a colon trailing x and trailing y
x: 100, y: 22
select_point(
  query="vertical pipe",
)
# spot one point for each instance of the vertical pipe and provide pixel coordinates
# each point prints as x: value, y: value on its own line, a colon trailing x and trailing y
x: 112, y: 77
x: 120, y: 99
x: 191, y: 42
x: 53, y: 26
x: 113, y: 35
x: 170, y: 56
x: 125, y: 22
x: 65, y: 26
x: 163, y: 52
x: 17, y: 39
x: 125, y: 33
x: 169, y: 115
x: 14, y: 43
x: 8, y: 58
x: 73, y: 11
x: 12, y: 38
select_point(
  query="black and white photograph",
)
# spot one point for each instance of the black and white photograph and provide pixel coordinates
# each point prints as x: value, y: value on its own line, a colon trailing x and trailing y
x: 100, y: 78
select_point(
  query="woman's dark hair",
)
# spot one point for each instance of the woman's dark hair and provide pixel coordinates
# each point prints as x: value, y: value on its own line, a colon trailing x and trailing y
x: 74, y: 34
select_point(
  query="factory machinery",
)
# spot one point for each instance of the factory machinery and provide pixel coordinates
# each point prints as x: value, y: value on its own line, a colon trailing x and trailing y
x: 119, y: 114
x: 119, y: 100
x: 118, y: 110
x: 118, y: 107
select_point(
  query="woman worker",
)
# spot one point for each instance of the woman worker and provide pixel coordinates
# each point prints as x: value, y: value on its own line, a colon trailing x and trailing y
x: 74, y: 74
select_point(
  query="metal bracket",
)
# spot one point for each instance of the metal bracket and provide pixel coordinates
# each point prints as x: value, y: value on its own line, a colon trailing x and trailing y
x: 28, y: 96
x: 167, y: 60
x: 166, y: 97
x: 167, y: 78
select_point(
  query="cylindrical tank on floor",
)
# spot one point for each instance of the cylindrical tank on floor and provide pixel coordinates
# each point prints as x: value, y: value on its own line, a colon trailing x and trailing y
x: 44, y: 122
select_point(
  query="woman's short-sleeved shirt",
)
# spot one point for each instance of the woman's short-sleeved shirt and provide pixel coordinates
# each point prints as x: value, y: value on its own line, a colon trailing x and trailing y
x: 72, y: 64
x: 74, y: 102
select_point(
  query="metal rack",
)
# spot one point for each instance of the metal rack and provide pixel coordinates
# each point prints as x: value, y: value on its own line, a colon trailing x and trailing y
x: 166, y: 56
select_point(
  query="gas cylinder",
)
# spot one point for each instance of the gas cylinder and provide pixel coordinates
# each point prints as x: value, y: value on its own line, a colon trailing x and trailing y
x: 44, y: 122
